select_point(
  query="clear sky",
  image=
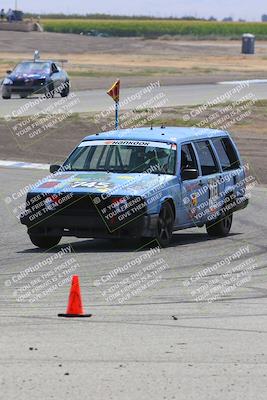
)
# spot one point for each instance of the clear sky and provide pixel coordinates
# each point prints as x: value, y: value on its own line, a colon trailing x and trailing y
x: 247, y: 9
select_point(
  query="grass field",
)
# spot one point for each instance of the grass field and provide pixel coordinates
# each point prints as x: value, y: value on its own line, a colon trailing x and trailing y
x: 156, y: 28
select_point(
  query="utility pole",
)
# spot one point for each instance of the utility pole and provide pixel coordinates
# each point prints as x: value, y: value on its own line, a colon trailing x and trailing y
x: 16, y: 4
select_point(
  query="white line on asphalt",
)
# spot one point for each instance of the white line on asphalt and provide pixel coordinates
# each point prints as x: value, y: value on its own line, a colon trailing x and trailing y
x: 22, y: 164
x: 246, y: 81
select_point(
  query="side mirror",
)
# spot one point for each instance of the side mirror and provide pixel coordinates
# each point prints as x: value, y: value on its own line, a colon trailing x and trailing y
x: 8, y: 71
x: 54, y: 168
x: 189, y: 173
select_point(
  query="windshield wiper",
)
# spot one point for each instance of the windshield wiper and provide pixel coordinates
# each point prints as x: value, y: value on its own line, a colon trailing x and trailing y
x: 88, y: 170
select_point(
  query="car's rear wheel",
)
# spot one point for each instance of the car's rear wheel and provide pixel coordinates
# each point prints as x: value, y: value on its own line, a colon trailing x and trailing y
x: 45, y: 242
x: 165, y: 225
x: 220, y: 226
x: 23, y: 96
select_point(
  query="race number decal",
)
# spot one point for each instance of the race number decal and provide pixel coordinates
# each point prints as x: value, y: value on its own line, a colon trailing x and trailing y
x: 213, y: 194
x: 101, y: 186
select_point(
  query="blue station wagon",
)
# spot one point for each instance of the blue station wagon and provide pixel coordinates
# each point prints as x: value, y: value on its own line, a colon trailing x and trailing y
x: 141, y: 182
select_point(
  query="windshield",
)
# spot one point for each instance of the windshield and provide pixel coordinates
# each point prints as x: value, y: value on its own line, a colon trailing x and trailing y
x: 123, y: 156
x: 32, y: 68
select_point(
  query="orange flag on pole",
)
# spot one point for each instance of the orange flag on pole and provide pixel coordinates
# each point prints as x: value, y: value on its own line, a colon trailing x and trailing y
x: 114, y: 91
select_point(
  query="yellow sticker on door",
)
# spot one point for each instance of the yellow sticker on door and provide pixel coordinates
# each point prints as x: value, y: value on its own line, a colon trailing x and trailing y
x: 194, y: 199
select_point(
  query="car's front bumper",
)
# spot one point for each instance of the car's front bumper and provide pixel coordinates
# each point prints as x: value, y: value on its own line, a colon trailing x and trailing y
x: 79, y: 216
x: 21, y: 89
x: 85, y: 227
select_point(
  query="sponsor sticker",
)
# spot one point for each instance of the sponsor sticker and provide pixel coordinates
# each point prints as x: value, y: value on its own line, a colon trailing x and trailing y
x: 47, y: 185
x: 194, y: 199
x: 213, y: 194
x: 121, y: 142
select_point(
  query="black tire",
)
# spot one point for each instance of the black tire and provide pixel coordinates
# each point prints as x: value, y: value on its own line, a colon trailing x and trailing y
x: 6, y: 93
x: 45, y: 242
x: 65, y: 92
x: 23, y: 96
x: 165, y: 225
x: 221, y: 226
x: 50, y: 91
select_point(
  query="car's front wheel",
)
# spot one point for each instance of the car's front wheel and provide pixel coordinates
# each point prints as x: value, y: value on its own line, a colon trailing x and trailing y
x: 45, y: 242
x: 50, y: 91
x: 165, y: 225
x: 6, y: 94
x: 220, y: 226
x: 65, y: 92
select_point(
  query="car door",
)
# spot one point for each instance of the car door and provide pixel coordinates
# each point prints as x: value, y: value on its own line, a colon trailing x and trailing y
x: 190, y: 188
x: 211, y: 188
x: 232, y: 175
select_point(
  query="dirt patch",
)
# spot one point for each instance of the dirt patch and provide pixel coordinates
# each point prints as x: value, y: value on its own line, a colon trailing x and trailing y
x: 92, y: 60
x: 250, y: 135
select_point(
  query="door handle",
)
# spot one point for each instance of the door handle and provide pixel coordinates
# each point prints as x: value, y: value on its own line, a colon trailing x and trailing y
x: 201, y: 183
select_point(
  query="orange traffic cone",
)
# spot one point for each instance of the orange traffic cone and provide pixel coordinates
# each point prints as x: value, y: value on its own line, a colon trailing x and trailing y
x: 75, y: 306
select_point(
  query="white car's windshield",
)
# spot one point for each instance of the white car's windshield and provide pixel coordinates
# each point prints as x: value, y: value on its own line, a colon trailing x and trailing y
x: 123, y: 156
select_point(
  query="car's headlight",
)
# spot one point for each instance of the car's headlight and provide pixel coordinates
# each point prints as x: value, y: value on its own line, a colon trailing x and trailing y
x: 7, y: 81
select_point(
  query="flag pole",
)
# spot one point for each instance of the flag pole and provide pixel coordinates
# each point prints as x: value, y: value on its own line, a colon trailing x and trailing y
x: 117, y: 115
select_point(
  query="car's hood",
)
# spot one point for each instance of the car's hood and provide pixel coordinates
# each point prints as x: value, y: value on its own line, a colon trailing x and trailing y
x: 17, y: 76
x: 102, y: 182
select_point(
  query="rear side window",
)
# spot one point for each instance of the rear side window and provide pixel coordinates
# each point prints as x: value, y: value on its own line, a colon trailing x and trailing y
x: 206, y: 157
x: 188, y: 158
x: 227, y: 154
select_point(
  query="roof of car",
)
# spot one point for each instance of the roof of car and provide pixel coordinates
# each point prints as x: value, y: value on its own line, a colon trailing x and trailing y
x: 158, y: 134
x: 36, y: 61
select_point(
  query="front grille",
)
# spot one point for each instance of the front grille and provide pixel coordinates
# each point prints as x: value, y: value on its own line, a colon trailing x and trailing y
x: 112, y: 212
x: 37, y: 82
x: 19, y: 82
x: 28, y: 83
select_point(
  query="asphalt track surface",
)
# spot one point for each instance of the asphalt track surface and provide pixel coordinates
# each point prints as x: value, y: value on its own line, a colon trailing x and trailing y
x: 97, y: 100
x: 134, y: 350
